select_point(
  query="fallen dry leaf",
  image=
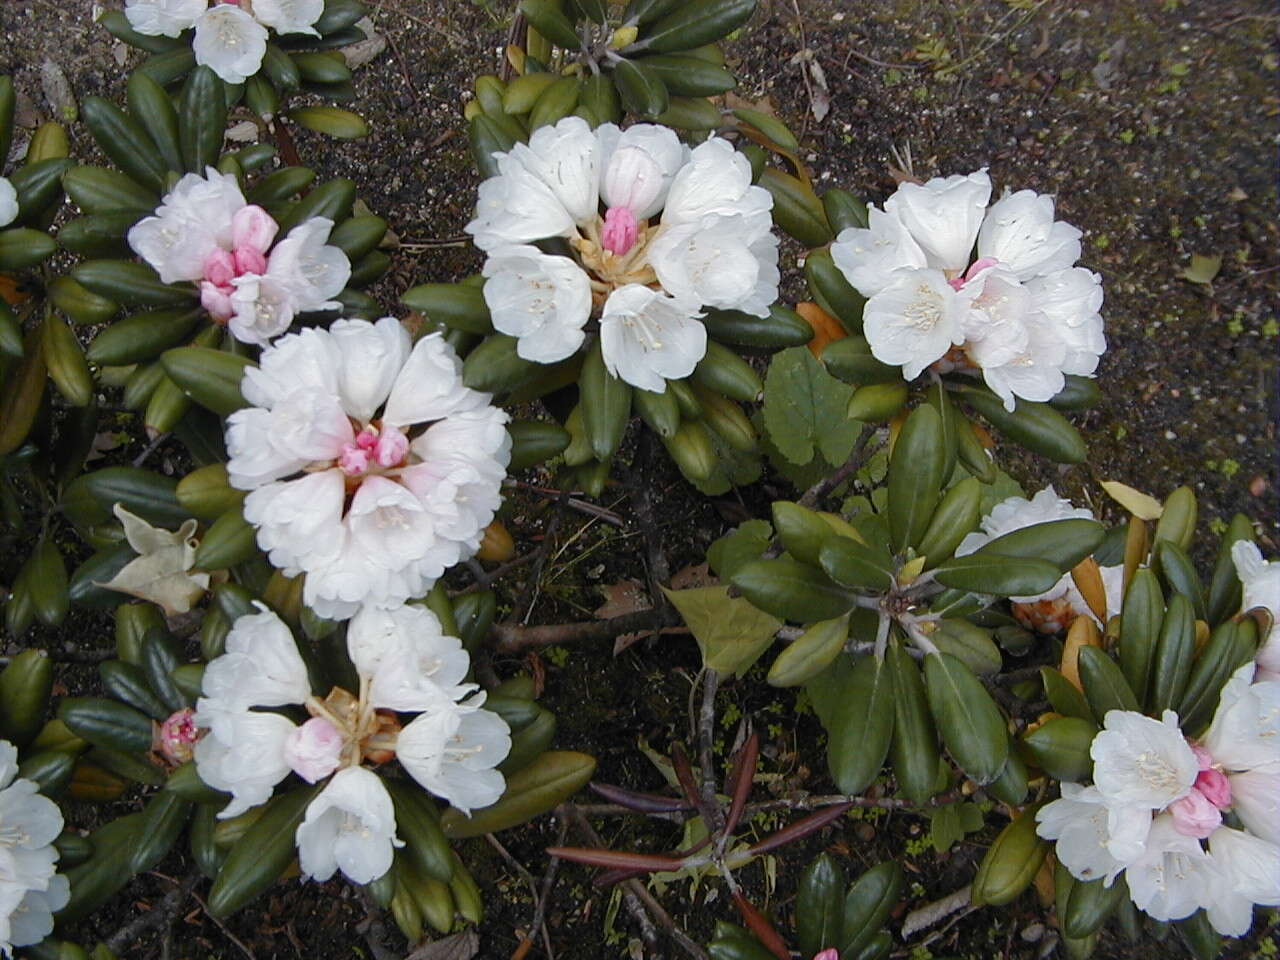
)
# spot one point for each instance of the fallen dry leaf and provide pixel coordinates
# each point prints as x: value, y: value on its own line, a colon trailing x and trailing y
x: 161, y: 572
x: 621, y: 598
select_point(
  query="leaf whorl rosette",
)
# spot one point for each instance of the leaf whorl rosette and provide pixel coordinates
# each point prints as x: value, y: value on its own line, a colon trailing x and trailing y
x: 372, y: 468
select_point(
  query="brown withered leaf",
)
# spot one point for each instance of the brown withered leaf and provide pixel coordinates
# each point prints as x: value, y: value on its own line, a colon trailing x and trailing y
x: 621, y: 598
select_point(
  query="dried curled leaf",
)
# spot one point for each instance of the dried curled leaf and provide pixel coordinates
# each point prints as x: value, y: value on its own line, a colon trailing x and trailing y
x: 161, y: 572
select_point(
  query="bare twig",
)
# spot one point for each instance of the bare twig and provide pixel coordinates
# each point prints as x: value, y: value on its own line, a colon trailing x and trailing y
x: 529, y: 596
x: 161, y: 914
x: 846, y: 470
x: 639, y: 902
x: 706, y: 745
x: 158, y: 439
x: 544, y: 896
x: 223, y: 927
x: 931, y: 913
x: 512, y: 638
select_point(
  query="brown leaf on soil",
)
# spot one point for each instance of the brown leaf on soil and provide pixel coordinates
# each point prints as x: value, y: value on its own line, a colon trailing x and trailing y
x: 692, y: 577
x: 459, y: 946
x: 623, y: 597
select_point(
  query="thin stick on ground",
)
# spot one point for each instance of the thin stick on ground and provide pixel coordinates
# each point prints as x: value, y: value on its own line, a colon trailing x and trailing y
x: 161, y: 914
x: 544, y: 897
x: 528, y: 878
x: 638, y: 901
x: 706, y: 745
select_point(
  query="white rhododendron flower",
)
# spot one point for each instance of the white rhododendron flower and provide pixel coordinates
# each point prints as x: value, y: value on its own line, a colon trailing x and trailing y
x: 1054, y: 610
x: 8, y: 203
x: 205, y: 232
x: 655, y: 234
x: 230, y: 35
x: 30, y: 890
x: 1155, y: 810
x: 350, y: 826
x: 1021, y: 314
x: 1261, y: 581
x: 405, y: 665
x: 372, y: 468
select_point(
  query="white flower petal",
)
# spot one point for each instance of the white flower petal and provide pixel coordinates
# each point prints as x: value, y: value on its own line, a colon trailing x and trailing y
x: 1170, y: 880
x: 868, y: 257
x: 543, y: 300
x: 1255, y: 797
x: 1245, y: 732
x: 1020, y: 232
x: 429, y: 386
x: 1078, y: 821
x: 637, y: 166
x: 244, y: 754
x: 712, y: 262
x: 943, y: 216
x: 289, y: 16
x: 163, y: 18
x: 8, y: 202
x: 229, y: 42
x: 1140, y: 761
x: 914, y: 320
x: 516, y: 206
x: 350, y: 826
x: 565, y: 157
x: 373, y: 354
x: 312, y: 269
x: 452, y: 751
x: 261, y: 666
x: 716, y: 180
x: 648, y: 338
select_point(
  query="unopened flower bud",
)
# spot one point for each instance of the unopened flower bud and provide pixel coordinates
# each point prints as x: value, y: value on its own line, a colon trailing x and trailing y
x: 313, y: 749
x: 178, y: 735
x: 620, y: 230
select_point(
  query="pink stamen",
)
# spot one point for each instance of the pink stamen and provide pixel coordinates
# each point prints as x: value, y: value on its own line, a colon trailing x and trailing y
x: 620, y: 230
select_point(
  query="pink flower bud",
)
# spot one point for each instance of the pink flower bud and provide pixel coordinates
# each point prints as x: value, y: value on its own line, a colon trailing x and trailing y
x: 1216, y: 788
x: 391, y: 447
x: 217, y: 300
x: 178, y: 736
x: 620, y: 230
x: 831, y: 953
x: 1194, y: 815
x: 252, y: 227
x: 219, y: 268
x: 313, y: 749
x: 354, y: 462
x: 249, y: 260
x: 366, y: 439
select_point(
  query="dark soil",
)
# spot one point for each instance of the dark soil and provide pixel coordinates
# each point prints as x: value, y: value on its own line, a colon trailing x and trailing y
x: 1145, y: 118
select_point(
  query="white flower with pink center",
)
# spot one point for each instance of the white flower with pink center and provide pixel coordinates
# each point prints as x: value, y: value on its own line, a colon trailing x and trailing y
x: 405, y: 665
x: 205, y: 232
x: 1054, y: 610
x: 1020, y: 313
x: 1159, y: 798
x: 372, y: 468
x: 230, y: 35
x: 655, y: 233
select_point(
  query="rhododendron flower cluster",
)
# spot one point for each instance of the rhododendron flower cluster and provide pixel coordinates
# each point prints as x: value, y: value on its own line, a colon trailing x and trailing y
x: 206, y: 232
x: 30, y: 890
x: 230, y: 35
x: 406, y: 665
x: 1054, y: 610
x: 372, y: 468
x: 1157, y: 795
x: 1021, y: 313
x: 680, y: 230
x: 8, y: 202
x: 1261, y: 582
